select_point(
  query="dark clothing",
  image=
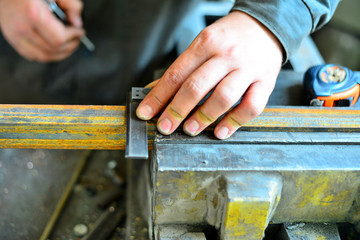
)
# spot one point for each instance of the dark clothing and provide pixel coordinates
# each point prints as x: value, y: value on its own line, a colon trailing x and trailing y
x: 289, y: 20
x: 132, y: 39
x: 131, y: 42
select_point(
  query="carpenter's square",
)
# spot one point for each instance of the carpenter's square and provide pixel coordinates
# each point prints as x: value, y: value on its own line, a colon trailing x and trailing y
x: 136, y: 131
x: 62, y: 16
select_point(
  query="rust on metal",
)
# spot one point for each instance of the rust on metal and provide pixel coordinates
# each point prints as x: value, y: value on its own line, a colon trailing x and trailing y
x: 104, y: 127
x: 307, y: 119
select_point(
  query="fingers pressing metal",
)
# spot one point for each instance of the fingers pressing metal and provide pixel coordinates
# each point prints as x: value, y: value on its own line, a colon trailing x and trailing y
x: 195, y: 88
x: 225, y: 95
x: 251, y: 105
x: 171, y: 82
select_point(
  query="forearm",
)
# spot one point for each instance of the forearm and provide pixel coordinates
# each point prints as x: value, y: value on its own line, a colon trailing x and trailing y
x: 289, y: 21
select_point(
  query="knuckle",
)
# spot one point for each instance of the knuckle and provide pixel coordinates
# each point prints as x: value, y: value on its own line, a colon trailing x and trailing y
x: 193, y: 87
x: 172, y: 78
x: 231, y: 52
x: 208, y: 37
x: 254, y: 110
x: 225, y: 98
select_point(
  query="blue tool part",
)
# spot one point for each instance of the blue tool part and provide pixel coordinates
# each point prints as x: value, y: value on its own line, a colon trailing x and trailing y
x: 331, y: 82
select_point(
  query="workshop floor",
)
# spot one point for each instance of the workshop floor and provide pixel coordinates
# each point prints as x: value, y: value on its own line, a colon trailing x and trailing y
x: 33, y: 181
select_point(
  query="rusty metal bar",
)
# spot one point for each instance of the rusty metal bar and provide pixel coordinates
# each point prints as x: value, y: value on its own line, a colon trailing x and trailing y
x: 104, y: 127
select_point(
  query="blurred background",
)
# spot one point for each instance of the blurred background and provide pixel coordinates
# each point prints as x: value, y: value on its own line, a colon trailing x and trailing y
x: 339, y: 40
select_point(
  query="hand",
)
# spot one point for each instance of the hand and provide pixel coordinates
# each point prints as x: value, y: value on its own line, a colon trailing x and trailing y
x: 237, y: 57
x: 34, y: 31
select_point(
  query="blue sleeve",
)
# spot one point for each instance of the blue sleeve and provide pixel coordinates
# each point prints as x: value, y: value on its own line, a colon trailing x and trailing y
x: 289, y: 20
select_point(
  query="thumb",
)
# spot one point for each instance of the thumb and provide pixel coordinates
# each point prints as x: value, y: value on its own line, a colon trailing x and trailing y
x: 73, y: 9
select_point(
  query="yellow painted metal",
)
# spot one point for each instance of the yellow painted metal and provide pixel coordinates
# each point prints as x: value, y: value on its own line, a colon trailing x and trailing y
x: 251, y: 201
x: 242, y: 204
x: 104, y: 127
x: 324, y: 196
x: 186, y: 206
x: 226, y: 202
x: 246, y: 219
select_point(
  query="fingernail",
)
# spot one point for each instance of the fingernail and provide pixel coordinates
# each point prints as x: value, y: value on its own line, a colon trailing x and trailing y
x: 191, y: 127
x: 164, y: 126
x: 222, y: 133
x: 144, y: 112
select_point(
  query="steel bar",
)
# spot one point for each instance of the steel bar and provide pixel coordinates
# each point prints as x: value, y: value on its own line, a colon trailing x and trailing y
x: 136, y: 131
x: 62, y: 127
x: 104, y: 127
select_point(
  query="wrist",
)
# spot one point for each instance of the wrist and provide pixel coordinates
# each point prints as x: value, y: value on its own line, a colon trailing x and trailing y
x: 262, y: 32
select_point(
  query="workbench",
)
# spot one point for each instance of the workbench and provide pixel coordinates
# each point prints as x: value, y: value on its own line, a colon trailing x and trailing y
x: 290, y: 166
